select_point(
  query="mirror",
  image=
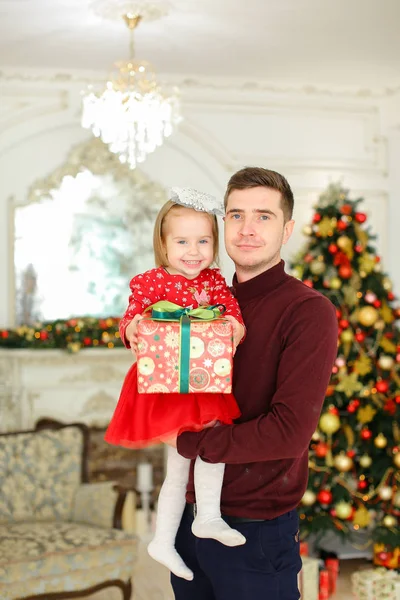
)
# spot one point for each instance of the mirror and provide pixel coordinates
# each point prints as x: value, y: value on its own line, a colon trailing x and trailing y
x: 84, y: 232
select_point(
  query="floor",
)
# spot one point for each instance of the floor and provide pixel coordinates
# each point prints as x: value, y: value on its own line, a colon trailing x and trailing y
x: 151, y: 580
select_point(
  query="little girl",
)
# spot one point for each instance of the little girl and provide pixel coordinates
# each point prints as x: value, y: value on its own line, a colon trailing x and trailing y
x: 185, y: 246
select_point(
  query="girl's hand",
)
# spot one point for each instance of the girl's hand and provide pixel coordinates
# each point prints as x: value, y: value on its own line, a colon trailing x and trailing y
x: 131, y: 333
x: 238, y: 331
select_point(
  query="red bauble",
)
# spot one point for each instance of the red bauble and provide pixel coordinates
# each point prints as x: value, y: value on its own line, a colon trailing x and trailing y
x: 360, y: 337
x: 351, y: 453
x: 333, y: 410
x: 341, y: 225
x: 332, y: 512
x: 308, y: 258
x: 382, y: 386
x: 87, y: 341
x: 366, y: 434
x: 391, y: 296
x: 398, y: 358
x: 377, y: 303
x: 321, y: 449
x: 339, y: 315
x: 346, y: 209
x: 335, y: 370
x: 316, y: 218
x: 345, y: 272
x: 358, y: 248
x: 343, y: 323
x: 397, y: 399
x: 308, y: 283
x: 362, y: 485
x: 351, y: 516
x: 4, y: 334
x: 324, y: 497
x: 377, y: 259
x: 332, y: 248
x: 44, y: 335
x: 360, y: 217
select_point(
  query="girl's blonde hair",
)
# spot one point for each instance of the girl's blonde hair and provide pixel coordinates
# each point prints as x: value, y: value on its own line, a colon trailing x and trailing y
x: 160, y: 255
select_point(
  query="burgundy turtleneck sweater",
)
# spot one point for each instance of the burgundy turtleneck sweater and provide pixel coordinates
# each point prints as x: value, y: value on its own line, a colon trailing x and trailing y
x: 281, y: 372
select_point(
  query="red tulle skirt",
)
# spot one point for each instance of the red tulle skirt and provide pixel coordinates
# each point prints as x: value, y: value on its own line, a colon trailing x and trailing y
x: 140, y: 420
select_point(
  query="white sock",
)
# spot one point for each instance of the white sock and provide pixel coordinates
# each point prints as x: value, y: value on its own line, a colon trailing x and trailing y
x: 171, y: 503
x: 208, y: 522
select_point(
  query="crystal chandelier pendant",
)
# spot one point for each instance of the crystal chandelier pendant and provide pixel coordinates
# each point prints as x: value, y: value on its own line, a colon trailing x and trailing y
x: 132, y: 115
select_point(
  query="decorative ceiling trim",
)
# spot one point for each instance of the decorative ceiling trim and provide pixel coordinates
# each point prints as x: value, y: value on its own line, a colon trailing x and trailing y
x: 188, y: 83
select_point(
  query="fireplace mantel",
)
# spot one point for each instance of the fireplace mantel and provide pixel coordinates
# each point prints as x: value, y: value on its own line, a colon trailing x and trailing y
x: 83, y: 386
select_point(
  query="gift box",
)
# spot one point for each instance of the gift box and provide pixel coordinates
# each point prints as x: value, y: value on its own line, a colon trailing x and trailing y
x: 386, y: 556
x: 375, y: 584
x: 308, y: 580
x: 184, y: 354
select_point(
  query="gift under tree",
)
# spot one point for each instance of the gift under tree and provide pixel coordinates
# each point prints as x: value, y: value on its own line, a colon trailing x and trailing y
x: 354, y: 479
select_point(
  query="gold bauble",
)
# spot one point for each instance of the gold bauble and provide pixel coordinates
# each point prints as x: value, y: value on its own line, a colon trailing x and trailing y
x: 365, y: 461
x: 342, y: 462
x: 389, y: 521
x: 315, y: 436
x: 396, y: 499
x: 298, y: 272
x: 367, y: 316
x: 317, y: 267
x: 335, y: 283
x: 396, y: 459
x: 343, y: 510
x: 329, y: 423
x: 307, y: 230
x: 387, y: 284
x: 385, y: 362
x: 347, y: 336
x: 380, y: 441
x: 344, y: 242
x: 308, y: 498
x: 385, y: 492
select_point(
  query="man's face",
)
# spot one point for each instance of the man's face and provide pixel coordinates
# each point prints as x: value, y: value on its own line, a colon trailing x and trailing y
x: 255, y: 230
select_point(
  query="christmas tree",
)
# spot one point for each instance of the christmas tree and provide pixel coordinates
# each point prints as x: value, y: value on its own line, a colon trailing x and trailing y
x: 354, y: 456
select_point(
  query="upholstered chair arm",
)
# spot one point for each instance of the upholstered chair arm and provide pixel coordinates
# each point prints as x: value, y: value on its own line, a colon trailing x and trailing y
x: 99, y: 504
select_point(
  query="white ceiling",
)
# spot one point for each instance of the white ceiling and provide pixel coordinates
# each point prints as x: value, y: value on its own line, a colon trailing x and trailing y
x: 337, y: 42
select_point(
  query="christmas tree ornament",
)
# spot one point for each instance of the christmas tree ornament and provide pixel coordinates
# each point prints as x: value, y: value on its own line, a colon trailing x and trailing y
x: 389, y: 521
x: 370, y: 297
x: 343, y: 510
x: 385, y: 362
x: 316, y: 218
x: 345, y: 244
x: 335, y: 283
x: 380, y: 441
x: 396, y: 500
x: 367, y: 316
x: 317, y: 267
x: 316, y: 436
x: 382, y: 386
x: 321, y: 450
x: 324, y: 497
x: 332, y: 248
x: 308, y: 498
x: 366, y: 434
x: 360, y: 217
x: 396, y: 460
x: 385, y: 493
x: 341, y: 225
x: 366, y: 414
x: 362, y: 485
x: 346, y: 209
x: 360, y: 336
x: 345, y: 272
x: 329, y: 423
x: 365, y: 461
x: 307, y: 230
x: 387, y: 284
x: 342, y: 462
x: 349, y: 384
x: 347, y: 336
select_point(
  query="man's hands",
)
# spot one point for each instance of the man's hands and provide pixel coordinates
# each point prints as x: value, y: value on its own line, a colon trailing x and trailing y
x: 171, y: 441
x: 238, y: 331
x: 131, y: 333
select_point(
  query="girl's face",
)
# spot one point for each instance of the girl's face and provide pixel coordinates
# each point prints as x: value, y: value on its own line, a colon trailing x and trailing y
x: 188, y: 242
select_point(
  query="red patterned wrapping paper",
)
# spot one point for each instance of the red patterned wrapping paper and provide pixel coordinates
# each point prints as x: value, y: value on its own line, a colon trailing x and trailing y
x: 211, y: 353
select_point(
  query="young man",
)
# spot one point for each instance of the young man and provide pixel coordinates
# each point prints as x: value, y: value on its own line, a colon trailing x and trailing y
x: 281, y: 372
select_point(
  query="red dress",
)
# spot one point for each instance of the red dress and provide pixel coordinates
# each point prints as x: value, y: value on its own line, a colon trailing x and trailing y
x: 143, y: 419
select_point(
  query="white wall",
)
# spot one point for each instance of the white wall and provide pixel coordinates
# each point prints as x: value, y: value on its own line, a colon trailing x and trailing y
x: 312, y: 136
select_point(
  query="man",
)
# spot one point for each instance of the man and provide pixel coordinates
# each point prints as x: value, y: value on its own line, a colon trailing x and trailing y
x: 281, y: 372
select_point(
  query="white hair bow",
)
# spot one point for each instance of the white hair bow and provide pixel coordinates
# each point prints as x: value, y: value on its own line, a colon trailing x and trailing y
x: 198, y: 200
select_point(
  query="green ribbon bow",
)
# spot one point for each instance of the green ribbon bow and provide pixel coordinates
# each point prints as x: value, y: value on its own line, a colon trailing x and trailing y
x: 168, y: 311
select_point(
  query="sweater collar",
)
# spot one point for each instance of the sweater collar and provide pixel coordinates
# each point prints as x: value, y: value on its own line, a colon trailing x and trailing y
x: 261, y: 284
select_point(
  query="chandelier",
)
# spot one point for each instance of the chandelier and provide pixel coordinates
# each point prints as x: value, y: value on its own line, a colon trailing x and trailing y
x: 132, y: 115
